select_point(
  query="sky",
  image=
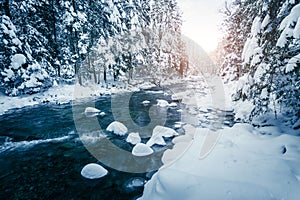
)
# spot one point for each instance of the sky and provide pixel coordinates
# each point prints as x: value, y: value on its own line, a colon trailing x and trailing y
x: 200, y: 21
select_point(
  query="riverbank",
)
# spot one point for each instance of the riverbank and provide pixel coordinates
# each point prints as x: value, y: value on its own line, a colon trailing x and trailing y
x: 62, y: 94
x: 242, y: 162
x: 246, y: 163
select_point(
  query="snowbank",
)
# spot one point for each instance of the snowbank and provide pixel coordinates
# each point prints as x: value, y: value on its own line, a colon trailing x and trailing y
x: 60, y: 94
x: 93, y: 171
x: 243, y: 165
x: 117, y: 128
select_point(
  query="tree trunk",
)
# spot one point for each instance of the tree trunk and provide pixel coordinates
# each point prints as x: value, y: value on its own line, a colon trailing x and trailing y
x: 6, y: 8
x: 104, y: 74
x: 55, y: 45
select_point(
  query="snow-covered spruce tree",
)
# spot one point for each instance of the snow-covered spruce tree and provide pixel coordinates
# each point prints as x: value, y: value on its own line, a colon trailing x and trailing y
x: 270, y: 62
x: 56, y: 37
x: 140, y: 40
x: 20, y: 72
x: 236, y: 27
x: 164, y: 44
x: 288, y: 79
x: 72, y: 37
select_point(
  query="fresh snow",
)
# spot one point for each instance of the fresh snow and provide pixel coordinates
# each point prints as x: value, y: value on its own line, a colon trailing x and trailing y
x: 102, y: 114
x: 158, y: 133
x: 92, y: 110
x: 133, y: 138
x: 145, y: 103
x: 173, y: 104
x: 266, y: 21
x: 93, y: 171
x: 141, y: 149
x: 292, y: 64
x: 164, y: 131
x: 243, y: 165
x: 292, y: 20
x: 117, y: 128
x: 134, y: 183
x: 17, y: 61
x: 60, y: 94
x: 162, y: 103
x: 157, y: 139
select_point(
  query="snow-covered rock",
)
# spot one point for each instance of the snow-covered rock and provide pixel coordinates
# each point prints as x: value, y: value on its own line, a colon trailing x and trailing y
x: 177, y: 97
x: 141, y: 149
x: 157, y: 139
x: 91, y: 110
x: 162, y: 103
x: 179, y: 124
x: 158, y: 133
x: 134, y: 183
x: 145, y: 103
x: 93, y: 171
x: 182, y: 138
x: 173, y: 104
x: 133, y: 138
x: 102, y: 114
x: 164, y: 131
x: 117, y: 128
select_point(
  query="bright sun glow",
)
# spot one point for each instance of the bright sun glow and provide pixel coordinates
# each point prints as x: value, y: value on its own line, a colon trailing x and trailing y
x: 201, y: 20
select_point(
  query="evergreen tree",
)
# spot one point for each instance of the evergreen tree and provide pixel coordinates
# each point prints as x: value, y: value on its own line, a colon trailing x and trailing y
x: 269, y: 60
x: 98, y: 41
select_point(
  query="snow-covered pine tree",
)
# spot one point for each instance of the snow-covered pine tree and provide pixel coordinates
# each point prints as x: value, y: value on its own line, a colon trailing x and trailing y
x: 57, y: 37
x: 270, y: 62
x: 163, y: 39
x: 236, y: 28
x: 20, y: 72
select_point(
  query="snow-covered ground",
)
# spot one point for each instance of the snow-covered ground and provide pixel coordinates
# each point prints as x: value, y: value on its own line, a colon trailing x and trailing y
x: 62, y: 94
x: 244, y: 164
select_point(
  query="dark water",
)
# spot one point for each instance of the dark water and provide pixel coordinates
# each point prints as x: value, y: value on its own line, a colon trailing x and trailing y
x: 41, y: 155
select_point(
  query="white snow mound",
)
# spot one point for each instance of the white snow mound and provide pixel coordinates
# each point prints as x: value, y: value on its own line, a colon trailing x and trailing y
x: 162, y: 103
x: 133, y: 138
x: 133, y: 183
x: 117, y: 128
x: 91, y: 110
x: 159, y: 140
x: 158, y: 133
x: 102, y: 114
x: 141, y: 150
x: 173, y: 104
x: 164, y: 131
x: 17, y: 61
x: 145, y: 103
x: 93, y: 171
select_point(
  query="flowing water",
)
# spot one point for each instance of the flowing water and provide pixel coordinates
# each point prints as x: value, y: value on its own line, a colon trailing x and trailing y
x: 41, y: 153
